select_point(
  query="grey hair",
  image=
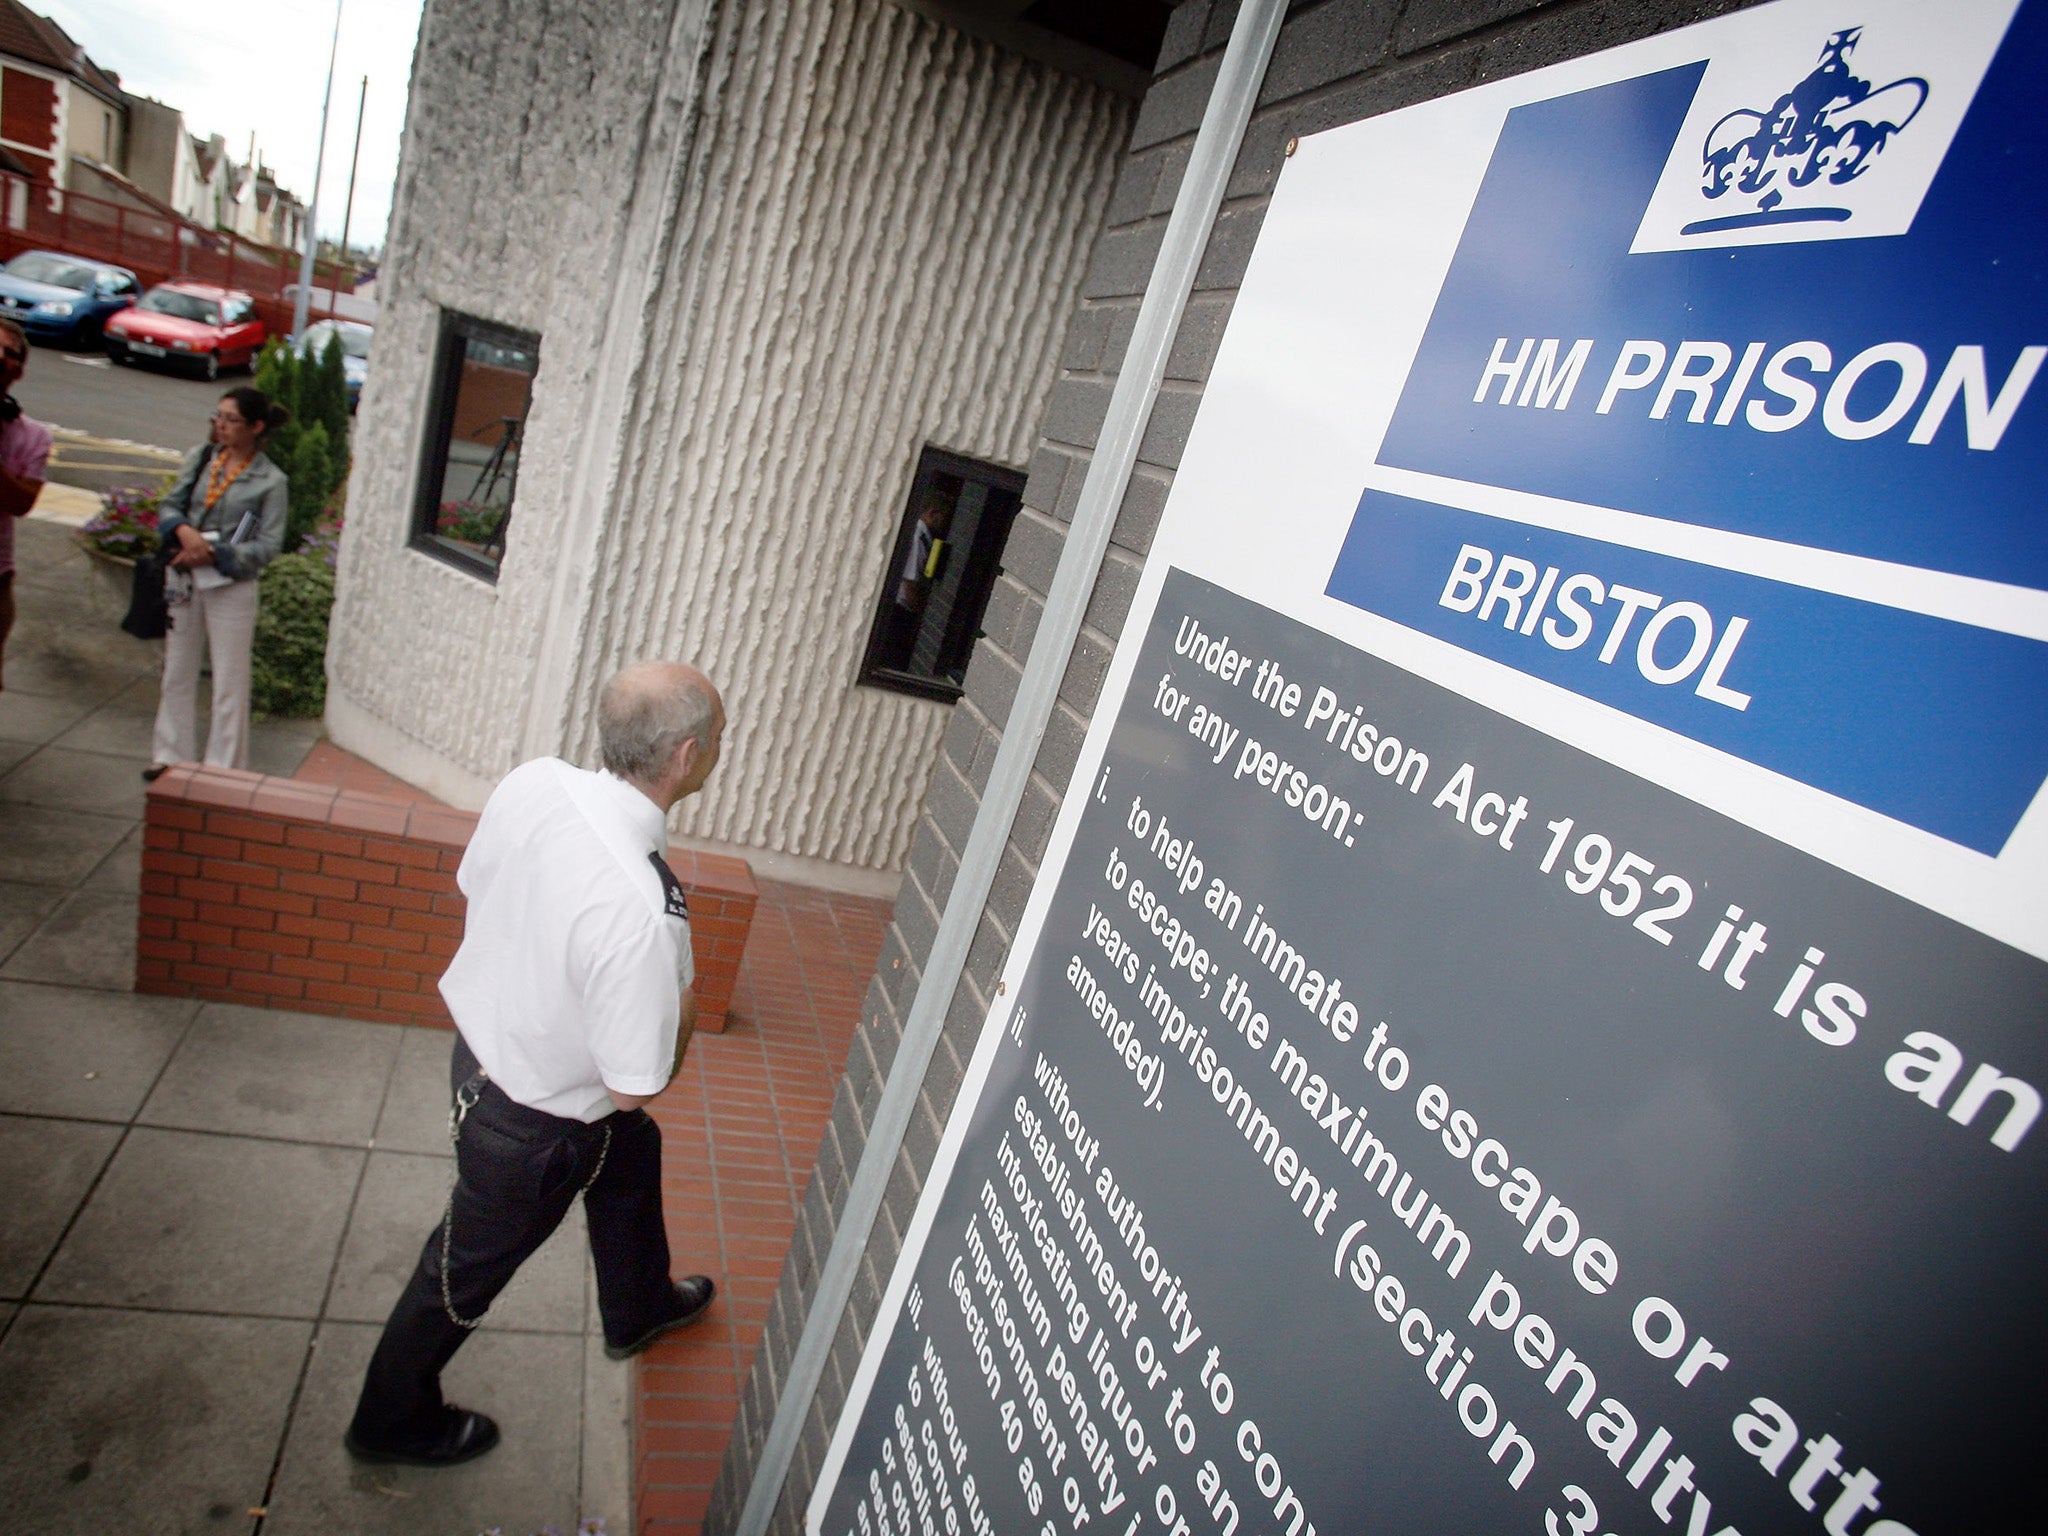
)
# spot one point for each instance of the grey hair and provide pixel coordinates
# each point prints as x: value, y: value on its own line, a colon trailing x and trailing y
x: 645, y: 714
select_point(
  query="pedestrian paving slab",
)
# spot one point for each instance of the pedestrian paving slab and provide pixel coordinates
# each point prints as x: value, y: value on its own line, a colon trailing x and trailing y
x: 223, y: 1224
x: 84, y: 1055
x: 293, y: 1076
x: 531, y: 1384
x: 30, y: 719
x: 86, y: 940
x: 403, y: 1197
x: 61, y: 848
x: 120, y: 727
x: 120, y: 870
x: 22, y: 909
x: 415, y: 1117
x: 256, y: 1208
x: 47, y: 1167
x: 70, y: 780
x: 133, y: 1421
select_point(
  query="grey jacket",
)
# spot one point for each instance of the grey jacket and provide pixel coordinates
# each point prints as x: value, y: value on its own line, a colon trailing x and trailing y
x: 261, y: 489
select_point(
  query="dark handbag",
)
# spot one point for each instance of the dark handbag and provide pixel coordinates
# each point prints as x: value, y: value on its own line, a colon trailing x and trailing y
x: 149, y: 616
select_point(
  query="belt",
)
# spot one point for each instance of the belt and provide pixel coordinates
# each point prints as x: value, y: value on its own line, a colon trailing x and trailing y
x: 478, y: 1088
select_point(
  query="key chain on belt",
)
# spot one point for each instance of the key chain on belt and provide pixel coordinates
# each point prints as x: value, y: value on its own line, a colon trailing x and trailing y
x: 465, y: 1100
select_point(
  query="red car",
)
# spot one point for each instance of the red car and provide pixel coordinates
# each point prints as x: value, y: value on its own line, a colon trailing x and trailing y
x: 191, y: 323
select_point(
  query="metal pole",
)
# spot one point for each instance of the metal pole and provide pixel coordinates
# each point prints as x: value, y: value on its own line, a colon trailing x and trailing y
x: 1109, y: 472
x: 313, y: 205
x: 348, y: 209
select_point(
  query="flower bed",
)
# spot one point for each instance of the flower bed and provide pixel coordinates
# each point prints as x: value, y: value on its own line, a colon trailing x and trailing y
x: 472, y: 522
x: 126, y: 526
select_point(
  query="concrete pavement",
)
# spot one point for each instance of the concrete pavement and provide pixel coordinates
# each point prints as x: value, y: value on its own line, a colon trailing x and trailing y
x: 205, y: 1210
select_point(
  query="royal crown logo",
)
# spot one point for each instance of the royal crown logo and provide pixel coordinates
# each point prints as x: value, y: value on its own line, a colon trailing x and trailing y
x: 1826, y: 129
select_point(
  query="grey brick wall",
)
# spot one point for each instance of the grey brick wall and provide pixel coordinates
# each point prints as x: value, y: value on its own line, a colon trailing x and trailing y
x: 1336, y: 62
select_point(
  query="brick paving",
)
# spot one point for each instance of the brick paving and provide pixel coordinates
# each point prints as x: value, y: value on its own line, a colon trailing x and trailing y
x: 741, y: 1127
x: 328, y: 764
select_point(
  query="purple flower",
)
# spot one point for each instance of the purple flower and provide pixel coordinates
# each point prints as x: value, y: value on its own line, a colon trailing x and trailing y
x: 127, y: 522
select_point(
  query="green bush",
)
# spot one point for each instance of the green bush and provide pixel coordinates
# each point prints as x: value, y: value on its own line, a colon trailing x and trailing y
x: 323, y: 391
x: 288, y: 663
x: 312, y: 448
x: 313, y: 479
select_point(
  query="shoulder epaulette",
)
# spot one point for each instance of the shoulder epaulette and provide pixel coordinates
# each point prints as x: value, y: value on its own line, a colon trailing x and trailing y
x: 672, y: 888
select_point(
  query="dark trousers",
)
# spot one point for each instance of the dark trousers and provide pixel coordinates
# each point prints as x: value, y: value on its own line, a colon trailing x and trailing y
x: 517, y: 1172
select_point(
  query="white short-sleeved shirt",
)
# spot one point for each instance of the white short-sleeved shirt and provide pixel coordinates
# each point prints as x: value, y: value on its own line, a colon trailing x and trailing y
x: 576, y: 948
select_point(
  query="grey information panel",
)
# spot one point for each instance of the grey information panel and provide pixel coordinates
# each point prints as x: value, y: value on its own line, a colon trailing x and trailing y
x: 1455, y: 1132
x: 1535, y: 1014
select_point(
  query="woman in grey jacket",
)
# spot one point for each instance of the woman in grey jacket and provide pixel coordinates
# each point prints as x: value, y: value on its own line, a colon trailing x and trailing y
x: 227, y: 515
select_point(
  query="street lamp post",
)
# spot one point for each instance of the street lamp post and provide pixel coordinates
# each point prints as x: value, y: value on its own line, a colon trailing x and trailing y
x: 348, y: 209
x: 304, y: 300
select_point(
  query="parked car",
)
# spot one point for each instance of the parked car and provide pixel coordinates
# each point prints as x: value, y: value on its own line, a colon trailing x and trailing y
x: 355, y: 350
x: 191, y: 324
x: 64, y: 299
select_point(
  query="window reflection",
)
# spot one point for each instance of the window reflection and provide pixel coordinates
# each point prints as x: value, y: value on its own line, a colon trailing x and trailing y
x: 483, y: 389
x: 941, y: 572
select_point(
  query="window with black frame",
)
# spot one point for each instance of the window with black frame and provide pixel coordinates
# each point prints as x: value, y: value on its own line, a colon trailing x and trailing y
x: 941, y: 570
x: 476, y: 419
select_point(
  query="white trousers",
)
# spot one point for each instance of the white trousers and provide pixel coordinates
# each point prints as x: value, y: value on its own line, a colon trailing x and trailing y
x: 222, y: 621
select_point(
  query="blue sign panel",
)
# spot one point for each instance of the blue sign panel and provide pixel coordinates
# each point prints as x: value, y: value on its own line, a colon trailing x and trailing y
x: 1906, y: 714
x: 1877, y: 396
x: 1751, y: 358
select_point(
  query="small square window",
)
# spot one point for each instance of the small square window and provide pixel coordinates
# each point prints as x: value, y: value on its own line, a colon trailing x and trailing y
x: 469, y: 461
x: 941, y: 570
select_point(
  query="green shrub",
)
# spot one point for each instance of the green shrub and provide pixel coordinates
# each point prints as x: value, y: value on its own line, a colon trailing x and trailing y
x: 313, y: 480
x: 323, y: 391
x: 312, y: 448
x: 288, y: 664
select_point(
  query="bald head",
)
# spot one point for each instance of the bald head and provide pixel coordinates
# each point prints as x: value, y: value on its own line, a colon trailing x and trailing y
x: 648, y: 713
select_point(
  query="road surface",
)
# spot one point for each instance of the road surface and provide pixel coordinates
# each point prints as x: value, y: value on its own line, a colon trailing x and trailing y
x: 115, y: 426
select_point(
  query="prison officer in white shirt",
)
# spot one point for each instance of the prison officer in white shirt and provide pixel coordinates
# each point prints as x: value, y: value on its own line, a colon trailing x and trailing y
x: 572, y: 996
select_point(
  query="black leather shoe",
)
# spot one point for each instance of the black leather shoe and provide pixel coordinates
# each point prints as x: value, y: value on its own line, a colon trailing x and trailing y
x: 693, y: 1298
x: 154, y: 772
x: 459, y: 1435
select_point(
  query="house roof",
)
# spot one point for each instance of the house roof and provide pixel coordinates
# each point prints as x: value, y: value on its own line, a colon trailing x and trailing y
x: 123, y: 189
x: 268, y: 191
x: 38, y: 40
x: 209, y: 152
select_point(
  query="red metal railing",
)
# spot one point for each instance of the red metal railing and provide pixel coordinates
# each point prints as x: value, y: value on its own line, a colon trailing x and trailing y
x: 157, y: 248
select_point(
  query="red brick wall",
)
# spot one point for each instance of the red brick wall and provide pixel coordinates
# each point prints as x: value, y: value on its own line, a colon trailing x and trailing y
x: 286, y: 894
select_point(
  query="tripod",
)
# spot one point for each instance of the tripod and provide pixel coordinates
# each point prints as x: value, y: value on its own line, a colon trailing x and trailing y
x: 510, y: 428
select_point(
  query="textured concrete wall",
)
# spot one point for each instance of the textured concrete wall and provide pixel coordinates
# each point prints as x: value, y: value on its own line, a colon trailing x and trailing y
x: 526, y: 130
x: 1335, y: 63
x: 834, y: 231
x: 895, y: 221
